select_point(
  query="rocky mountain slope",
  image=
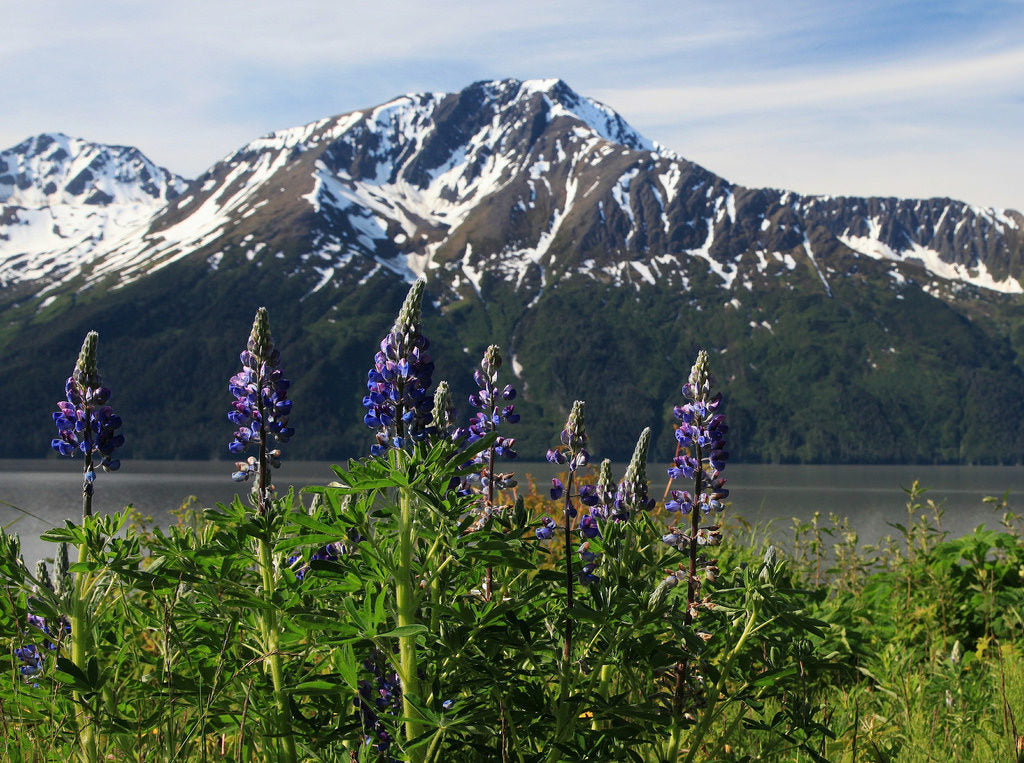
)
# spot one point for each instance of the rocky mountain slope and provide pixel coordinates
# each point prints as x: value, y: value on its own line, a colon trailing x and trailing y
x: 543, y: 223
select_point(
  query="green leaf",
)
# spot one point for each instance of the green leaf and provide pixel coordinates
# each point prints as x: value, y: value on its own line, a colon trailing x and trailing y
x: 405, y: 630
x: 318, y: 687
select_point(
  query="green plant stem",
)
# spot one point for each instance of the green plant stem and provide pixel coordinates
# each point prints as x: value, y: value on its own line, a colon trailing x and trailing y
x: 713, y: 704
x: 564, y: 722
x: 603, y: 685
x: 80, y: 648
x: 80, y: 626
x: 682, y: 667
x: 271, y: 641
x: 489, y: 575
x: 405, y: 600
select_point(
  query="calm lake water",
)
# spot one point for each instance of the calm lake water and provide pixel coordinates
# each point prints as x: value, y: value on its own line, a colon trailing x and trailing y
x: 36, y: 495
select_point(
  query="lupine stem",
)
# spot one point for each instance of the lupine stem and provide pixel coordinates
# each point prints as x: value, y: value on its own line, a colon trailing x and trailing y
x: 489, y: 579
x: 713, y: 704
x: 80, y: 631
x: 271, y: 641
x: 567, y: 646
x: 269, y: 616
x: 563, y: 687
x: 405, y: 600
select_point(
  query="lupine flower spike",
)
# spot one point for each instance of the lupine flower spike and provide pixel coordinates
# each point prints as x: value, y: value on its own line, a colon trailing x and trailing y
x: 573, y: 453
x: 261, y: 408
x: 494, y: 407
x: 606, y: 502
x: 85, y: 423
x: 633, y: 492
x: 701, y: 433
x: 701, y: 436
x: 398, y: 403
x: 443, y: 417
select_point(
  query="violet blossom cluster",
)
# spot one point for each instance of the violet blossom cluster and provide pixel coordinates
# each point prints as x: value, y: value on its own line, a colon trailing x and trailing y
x: 701, y: 435
x: 573, y: 450
x: 382, y: 695
x: 261, y: 408
x: 330, y: 552
x: 85, y: 423
x: 573, y: 453
x: 31, y: 656
x: 494, y: 407
x: 398, y: 402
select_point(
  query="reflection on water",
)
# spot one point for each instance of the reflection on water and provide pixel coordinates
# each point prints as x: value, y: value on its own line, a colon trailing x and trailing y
x: 46, y: 492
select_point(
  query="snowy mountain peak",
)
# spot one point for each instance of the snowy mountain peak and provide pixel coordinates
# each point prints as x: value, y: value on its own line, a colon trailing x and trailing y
x: 55, y: 168
x: 596, y: 115
x: 62, y: 197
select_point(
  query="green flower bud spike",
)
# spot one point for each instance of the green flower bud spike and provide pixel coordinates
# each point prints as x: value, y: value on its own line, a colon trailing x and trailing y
x: 409, y: 315
x: 636, y: 472
x: 86, y: 373
x: 492, y: 359
x: 700, y: 374
x: 260, y: 343
x: 444, y: 412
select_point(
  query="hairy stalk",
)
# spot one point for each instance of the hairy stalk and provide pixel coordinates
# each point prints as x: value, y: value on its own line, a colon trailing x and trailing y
x: 489, y: 579
x: 682, y: 667
x: 567, y: 646
x: 269, y: 619
x: 271, y: 642
x: 80, y: 631
x: 691, y: 589
x: 563, y: 722
x: 405, y: 599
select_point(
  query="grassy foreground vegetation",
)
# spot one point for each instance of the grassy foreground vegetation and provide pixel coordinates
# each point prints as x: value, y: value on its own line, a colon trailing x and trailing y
x: 921, y: 658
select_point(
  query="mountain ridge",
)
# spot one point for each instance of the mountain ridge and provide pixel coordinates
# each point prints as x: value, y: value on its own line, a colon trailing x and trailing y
x: 593, y: 255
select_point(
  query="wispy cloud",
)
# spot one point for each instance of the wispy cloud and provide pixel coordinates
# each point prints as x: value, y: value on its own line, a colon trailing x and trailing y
x: 990, y: 75
x: 815, y: 94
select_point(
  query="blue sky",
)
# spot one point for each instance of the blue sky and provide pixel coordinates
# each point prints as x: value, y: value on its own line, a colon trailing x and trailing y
x: 859, y: 98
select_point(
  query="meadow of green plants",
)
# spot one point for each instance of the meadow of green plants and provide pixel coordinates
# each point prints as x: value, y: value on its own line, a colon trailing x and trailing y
x: 429, y: 604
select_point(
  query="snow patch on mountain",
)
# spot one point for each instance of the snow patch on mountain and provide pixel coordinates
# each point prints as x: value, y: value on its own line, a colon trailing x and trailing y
x: 976, y: 274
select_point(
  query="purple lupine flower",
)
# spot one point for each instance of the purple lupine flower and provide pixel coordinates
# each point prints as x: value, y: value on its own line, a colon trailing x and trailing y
x: 588, y: 527
x: 586, y: 575
x: 31, y: 657
x: 382, y: 696
x: 573, y: 452
x: 547, y: 528
x: 330, y: 552
x: 701, y: 435
x: 399, y: 405
x: 494, y: 408
x: 556, y: 488
x: 261, y: 408
x: 85, y: 423
x: 701, y: 432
